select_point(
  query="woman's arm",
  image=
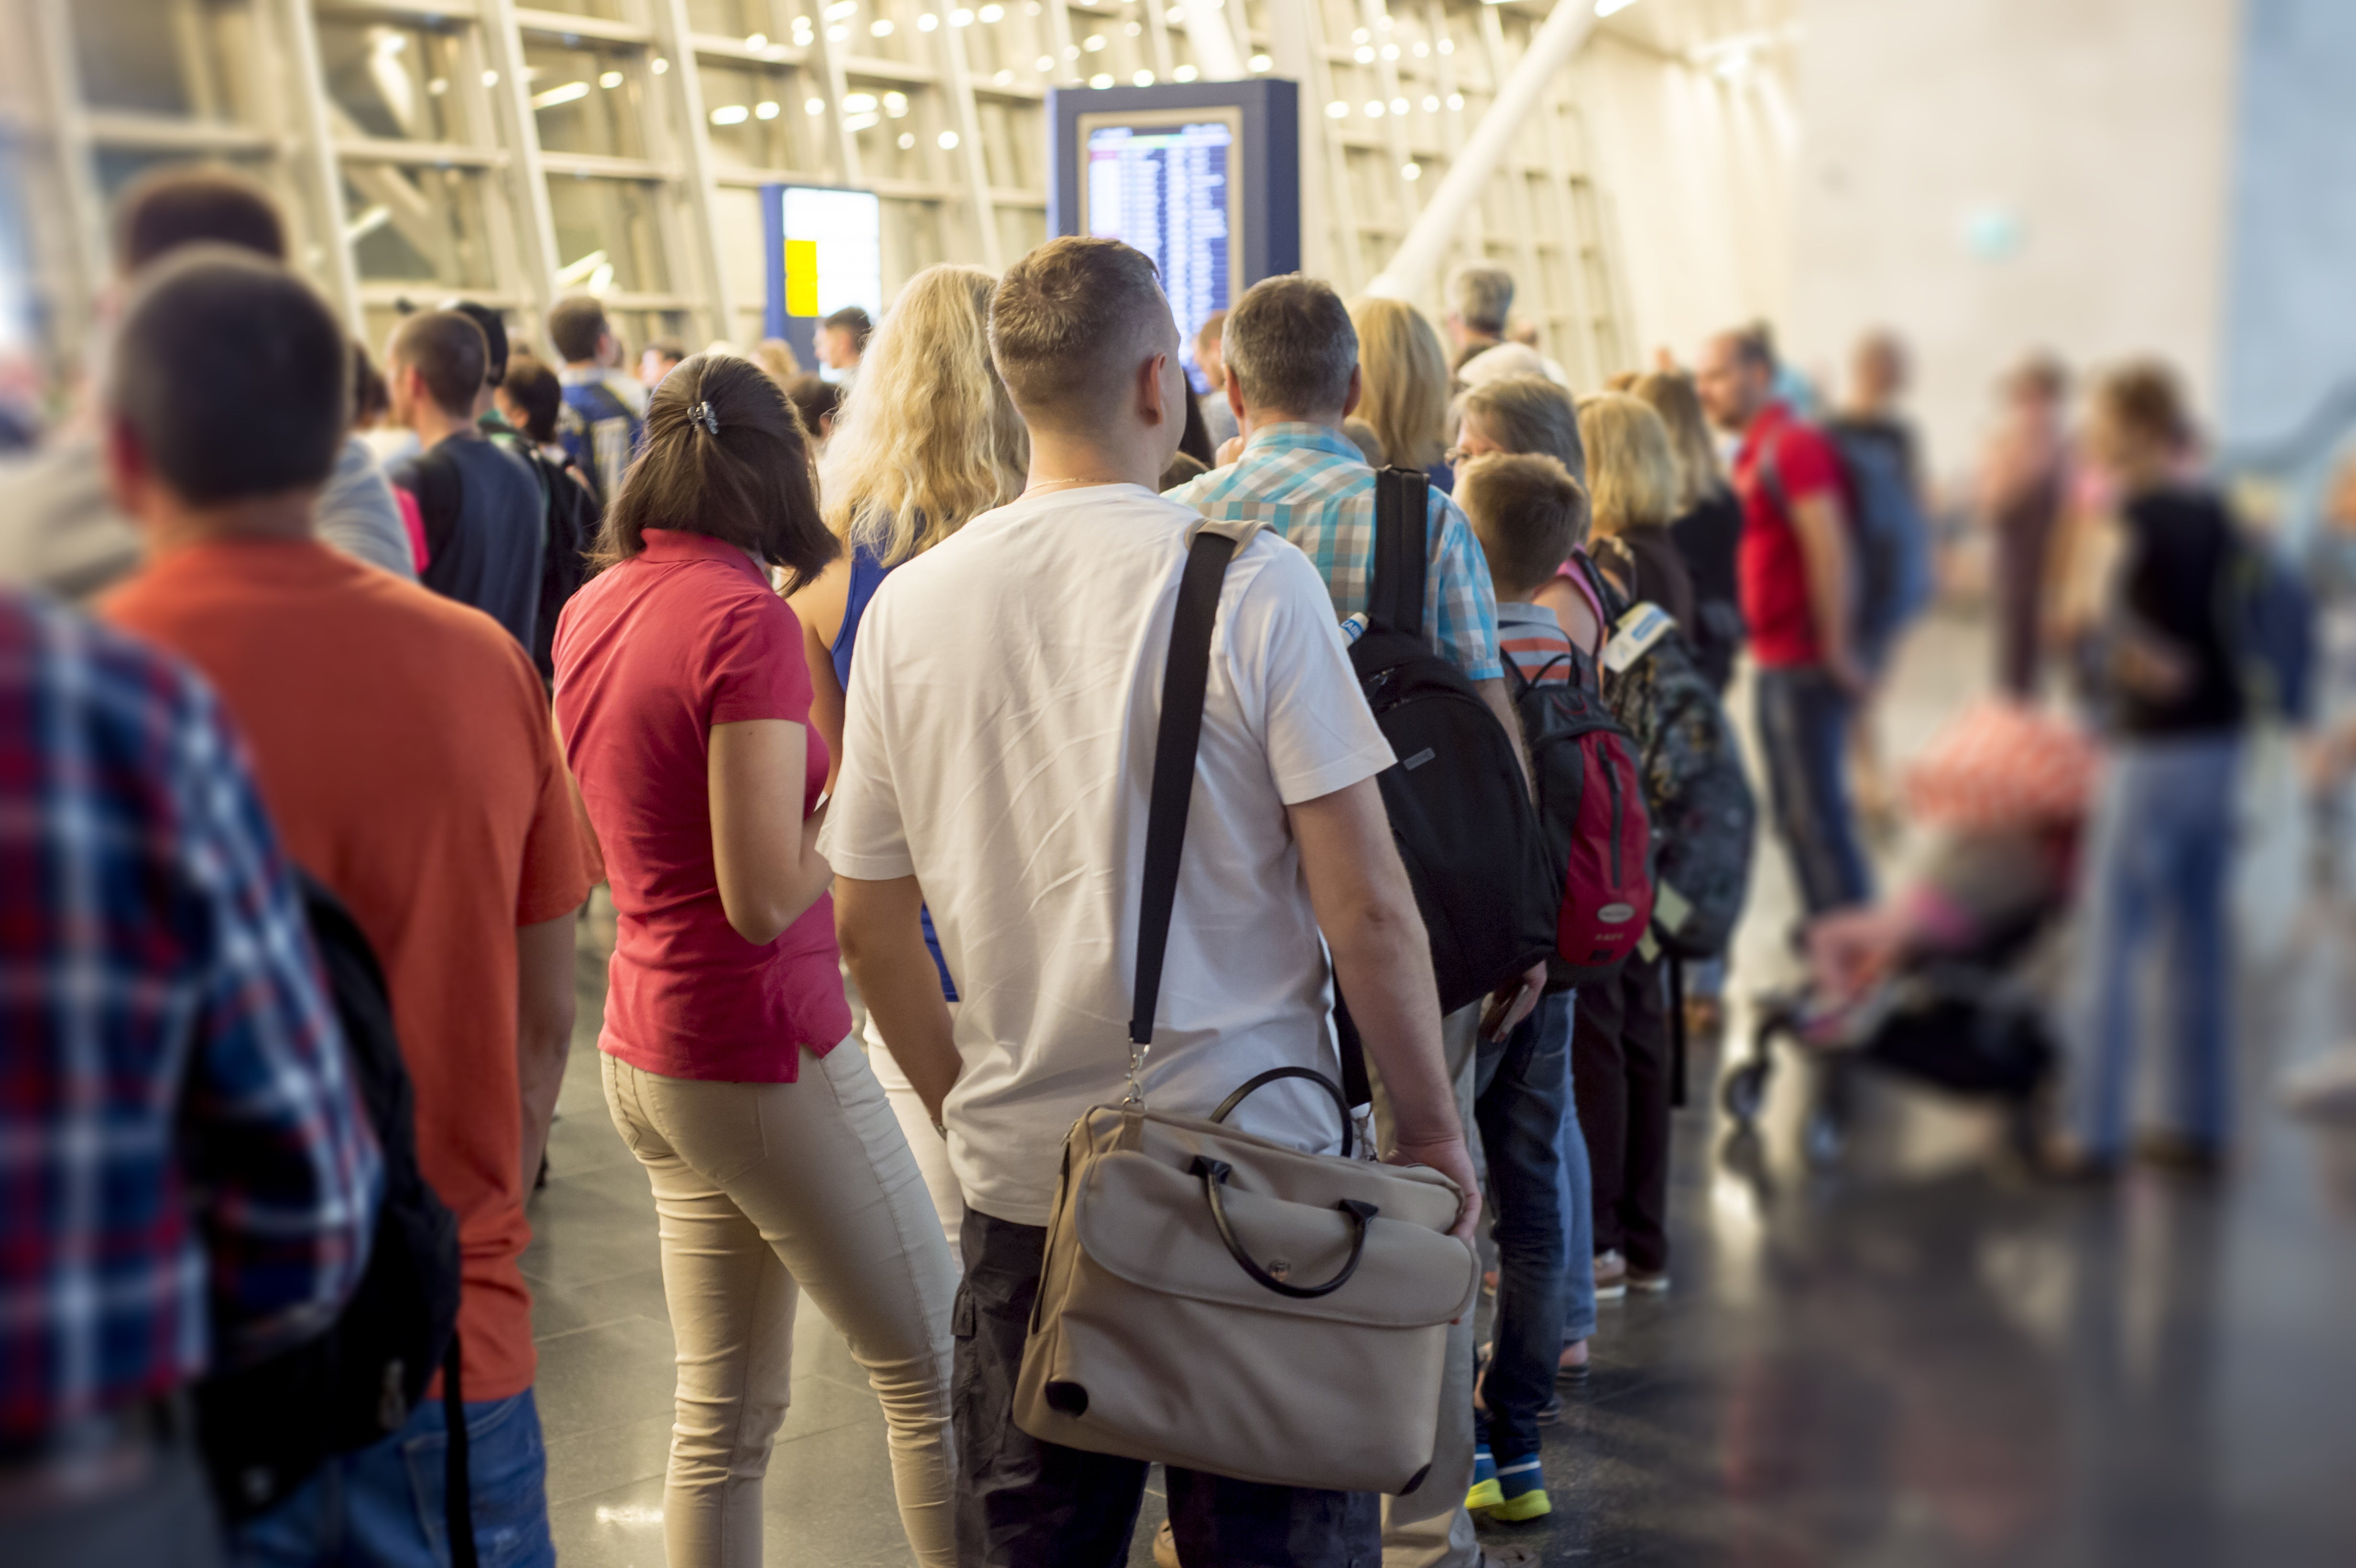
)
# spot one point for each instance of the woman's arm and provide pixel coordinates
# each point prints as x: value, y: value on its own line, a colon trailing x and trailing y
x: 819, y: 606
x: 764, y: 849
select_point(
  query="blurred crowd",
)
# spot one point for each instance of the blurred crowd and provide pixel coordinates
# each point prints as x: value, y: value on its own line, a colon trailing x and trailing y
x: 334, y: 677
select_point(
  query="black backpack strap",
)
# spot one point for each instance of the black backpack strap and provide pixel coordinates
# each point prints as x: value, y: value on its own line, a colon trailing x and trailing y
x: 457, y: 1487
x: 1402, y: 549
x: 1184, y: 683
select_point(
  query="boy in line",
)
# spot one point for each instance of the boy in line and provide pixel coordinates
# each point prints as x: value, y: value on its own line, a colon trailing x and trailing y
x: 1528, y: 514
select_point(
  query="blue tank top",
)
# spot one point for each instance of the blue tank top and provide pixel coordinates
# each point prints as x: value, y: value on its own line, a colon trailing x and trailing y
x: 867, y: 574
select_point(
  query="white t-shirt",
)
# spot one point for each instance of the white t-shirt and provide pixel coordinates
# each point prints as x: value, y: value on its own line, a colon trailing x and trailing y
x: 998, y: 745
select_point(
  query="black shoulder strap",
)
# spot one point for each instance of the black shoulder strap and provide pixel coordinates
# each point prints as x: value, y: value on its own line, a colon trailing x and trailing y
x: 1402, y: 549
x: 1184, y: 683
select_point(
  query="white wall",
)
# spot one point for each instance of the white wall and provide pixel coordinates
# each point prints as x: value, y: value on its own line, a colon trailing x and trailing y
x: 1697, y: 169
x: 2103, y: 127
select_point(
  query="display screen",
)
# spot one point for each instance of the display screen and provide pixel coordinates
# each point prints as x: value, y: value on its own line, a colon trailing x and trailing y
x: 1168, y: 181
x: 833, y: 250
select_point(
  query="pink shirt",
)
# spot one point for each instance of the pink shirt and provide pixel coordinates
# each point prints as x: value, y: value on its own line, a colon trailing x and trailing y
x: 649, y: 655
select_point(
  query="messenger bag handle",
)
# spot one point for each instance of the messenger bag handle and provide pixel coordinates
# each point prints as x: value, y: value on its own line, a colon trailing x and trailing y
x: 1184, y: 682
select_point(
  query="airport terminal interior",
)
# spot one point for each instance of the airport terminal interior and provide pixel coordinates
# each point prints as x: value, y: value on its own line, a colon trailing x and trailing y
x: 1899, y: 1324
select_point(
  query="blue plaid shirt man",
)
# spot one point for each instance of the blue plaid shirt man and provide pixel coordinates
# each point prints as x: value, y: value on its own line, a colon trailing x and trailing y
x: 1312, y: 485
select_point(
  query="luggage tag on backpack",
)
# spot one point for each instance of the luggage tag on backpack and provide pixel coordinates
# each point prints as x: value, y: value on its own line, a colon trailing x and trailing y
x: 1638, y: 630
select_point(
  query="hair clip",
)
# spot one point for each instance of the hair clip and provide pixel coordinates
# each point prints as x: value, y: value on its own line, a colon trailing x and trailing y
x: 705, y: 415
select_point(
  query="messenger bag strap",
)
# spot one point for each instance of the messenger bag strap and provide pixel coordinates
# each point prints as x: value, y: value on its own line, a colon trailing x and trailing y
x: 1402, y: 549
x: 1184, y: 683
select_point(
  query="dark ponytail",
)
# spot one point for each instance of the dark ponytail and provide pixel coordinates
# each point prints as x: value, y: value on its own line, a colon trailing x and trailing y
x: 724, y: 456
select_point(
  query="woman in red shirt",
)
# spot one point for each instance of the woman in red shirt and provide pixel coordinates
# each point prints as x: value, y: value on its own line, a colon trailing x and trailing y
x: 775, y: 1158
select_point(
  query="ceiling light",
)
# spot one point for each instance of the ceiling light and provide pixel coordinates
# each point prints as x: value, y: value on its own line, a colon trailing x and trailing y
x: 1410, y: 171
x: 659, y: 65
x: 1101, y: 80
x: 611, y: 79
x: 1047, y: 64
x: 1456, y: 101
x: 730, y: 114
x: 863, y: 121
x: 927, y: 22
x: 895, y: 104
x: 1612, y: 7
x: 908, y: 141
x: 1446, y: 46
x: 814, y: 107
x: 838, y: 35
x: 1431, y: 104
x: 1374, y: 110
x: 1143, y: 79
x: 438, y: 86
x: 1363, y: 54
x: 992, y: 12
x: 765, y: 109
x: 1174, y: 16
x: 948, y: 140
x: 1095, y: 42
x: 881, y: 28
x: 570, y: 93
x: 1361, y: 36
x: 961, y: 17
x: 490, y: 78
x: 1004, y: 78
x: 1337, y: 110
x: 1398, y: 105
x: 1183, y: 73
x: 756, y: 40
x: 1390, y: 51
x: 842, y: 10
x: 1261, y: 62
x: 858, y: 103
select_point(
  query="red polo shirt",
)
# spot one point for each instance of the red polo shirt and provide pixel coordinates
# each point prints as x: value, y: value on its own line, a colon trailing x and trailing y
x: 649, y: 655
x: 1772, y: 572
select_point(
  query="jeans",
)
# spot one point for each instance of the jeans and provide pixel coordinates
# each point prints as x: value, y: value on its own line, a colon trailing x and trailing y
x: 1024, y: 1503
x: 382, y: 1505
x: 1578, y: 1196
x: 1804, y: 732
x: 1621, y: 1051
x: 767, y: 1191
x: 1520, y: 1086
x: 2157, y: 859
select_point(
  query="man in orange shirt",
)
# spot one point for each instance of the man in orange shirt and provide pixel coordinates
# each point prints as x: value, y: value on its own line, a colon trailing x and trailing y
x: 402, y: 745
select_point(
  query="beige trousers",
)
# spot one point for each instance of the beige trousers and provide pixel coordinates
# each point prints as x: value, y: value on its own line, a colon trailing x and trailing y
x: 765, y: 1190
x: 932, y: 1151
x: 1430, y: 1528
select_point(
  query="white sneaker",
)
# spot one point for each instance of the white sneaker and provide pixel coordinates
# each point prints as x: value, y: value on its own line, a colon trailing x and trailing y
x: 1610, y: 1276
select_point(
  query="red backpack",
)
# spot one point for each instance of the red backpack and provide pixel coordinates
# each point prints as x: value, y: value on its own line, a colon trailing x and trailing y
x: 1591, y: 812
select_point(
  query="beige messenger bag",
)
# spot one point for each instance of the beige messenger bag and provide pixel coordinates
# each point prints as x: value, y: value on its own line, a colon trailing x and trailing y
x: 1219, y: 1301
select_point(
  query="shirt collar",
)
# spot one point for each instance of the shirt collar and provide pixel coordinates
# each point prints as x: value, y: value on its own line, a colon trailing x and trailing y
x: 1300, y: 435
x: 682, y: 544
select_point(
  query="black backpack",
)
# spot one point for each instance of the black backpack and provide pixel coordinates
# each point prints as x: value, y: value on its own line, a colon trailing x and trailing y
x: 1458, y: 808
x: 265, y: 1428
x: 573, y: 520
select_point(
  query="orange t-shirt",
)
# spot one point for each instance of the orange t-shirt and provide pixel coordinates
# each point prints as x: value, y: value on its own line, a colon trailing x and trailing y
x: 404, y: 748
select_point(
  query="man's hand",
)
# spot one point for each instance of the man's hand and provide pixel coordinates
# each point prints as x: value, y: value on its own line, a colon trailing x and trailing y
x: 1507, y: 1010
x: 1448, y: 1156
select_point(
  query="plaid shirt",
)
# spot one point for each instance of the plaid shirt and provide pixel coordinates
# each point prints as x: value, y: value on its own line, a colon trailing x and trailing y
x: 186, y: 1175
x: 1312, y: 485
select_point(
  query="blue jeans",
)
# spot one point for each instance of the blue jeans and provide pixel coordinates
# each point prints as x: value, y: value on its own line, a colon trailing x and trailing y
x: 1521, y: 1087
x: 1578, y: 1193
x: 1804, y: 734
x: 383, y: 1506
x: 2157, y: 861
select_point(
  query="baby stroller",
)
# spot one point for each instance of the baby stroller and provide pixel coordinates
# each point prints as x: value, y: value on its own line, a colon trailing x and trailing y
x: 1941, y: 983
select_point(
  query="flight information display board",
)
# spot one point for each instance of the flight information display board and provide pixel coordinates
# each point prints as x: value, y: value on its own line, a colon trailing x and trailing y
x: 1204, y: 177
x: 1170, y: 182
x: 826, y: 252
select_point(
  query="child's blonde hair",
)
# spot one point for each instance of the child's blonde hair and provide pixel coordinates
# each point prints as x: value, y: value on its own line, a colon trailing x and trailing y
x: 1528, y: 513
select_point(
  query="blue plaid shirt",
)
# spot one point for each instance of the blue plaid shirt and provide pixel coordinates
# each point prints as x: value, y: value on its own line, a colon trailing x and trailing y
x: 1312, y: 485
x: 188, y: 1177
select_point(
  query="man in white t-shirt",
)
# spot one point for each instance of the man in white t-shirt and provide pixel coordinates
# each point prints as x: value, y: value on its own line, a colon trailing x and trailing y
x: 998, y: 751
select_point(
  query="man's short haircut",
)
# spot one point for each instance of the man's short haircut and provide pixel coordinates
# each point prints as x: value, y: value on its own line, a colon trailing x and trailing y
x: 537, y: 394
x: 495, y: 336
x: 233, y: 376
x: 1212, y: 332
x: 1527, y: 511
x: 1290, y: 346
x: 167, y: 208
x: 749, y: 482
x: 1481, y: 295
x: 854, y: 321
x: 448, y: 351
x: 576, y: 325
x: 1070, y: 326
x: 1755, y: 347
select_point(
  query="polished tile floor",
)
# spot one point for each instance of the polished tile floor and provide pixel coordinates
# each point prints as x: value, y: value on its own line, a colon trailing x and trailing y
x: 1913, y: 1356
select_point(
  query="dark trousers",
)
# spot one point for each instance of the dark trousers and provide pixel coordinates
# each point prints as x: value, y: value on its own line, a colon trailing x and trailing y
x: 1620, y: 1072
x: 1022, y: 1503
x: 1520, y: 1085
x: 1803, y: 733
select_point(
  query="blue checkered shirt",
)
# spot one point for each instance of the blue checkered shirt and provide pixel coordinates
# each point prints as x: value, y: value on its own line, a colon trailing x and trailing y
x: 1312, y: 485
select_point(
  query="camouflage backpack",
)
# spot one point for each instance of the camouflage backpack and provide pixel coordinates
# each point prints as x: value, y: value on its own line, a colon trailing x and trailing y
x: 1702, y: 812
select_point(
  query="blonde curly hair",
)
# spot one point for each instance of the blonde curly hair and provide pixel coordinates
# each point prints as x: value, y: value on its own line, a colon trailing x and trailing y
x: 926, y: 439
x: 1403, y: 380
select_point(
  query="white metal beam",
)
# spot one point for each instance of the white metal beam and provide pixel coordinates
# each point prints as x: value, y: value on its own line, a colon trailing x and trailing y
x: 1427, y: 239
